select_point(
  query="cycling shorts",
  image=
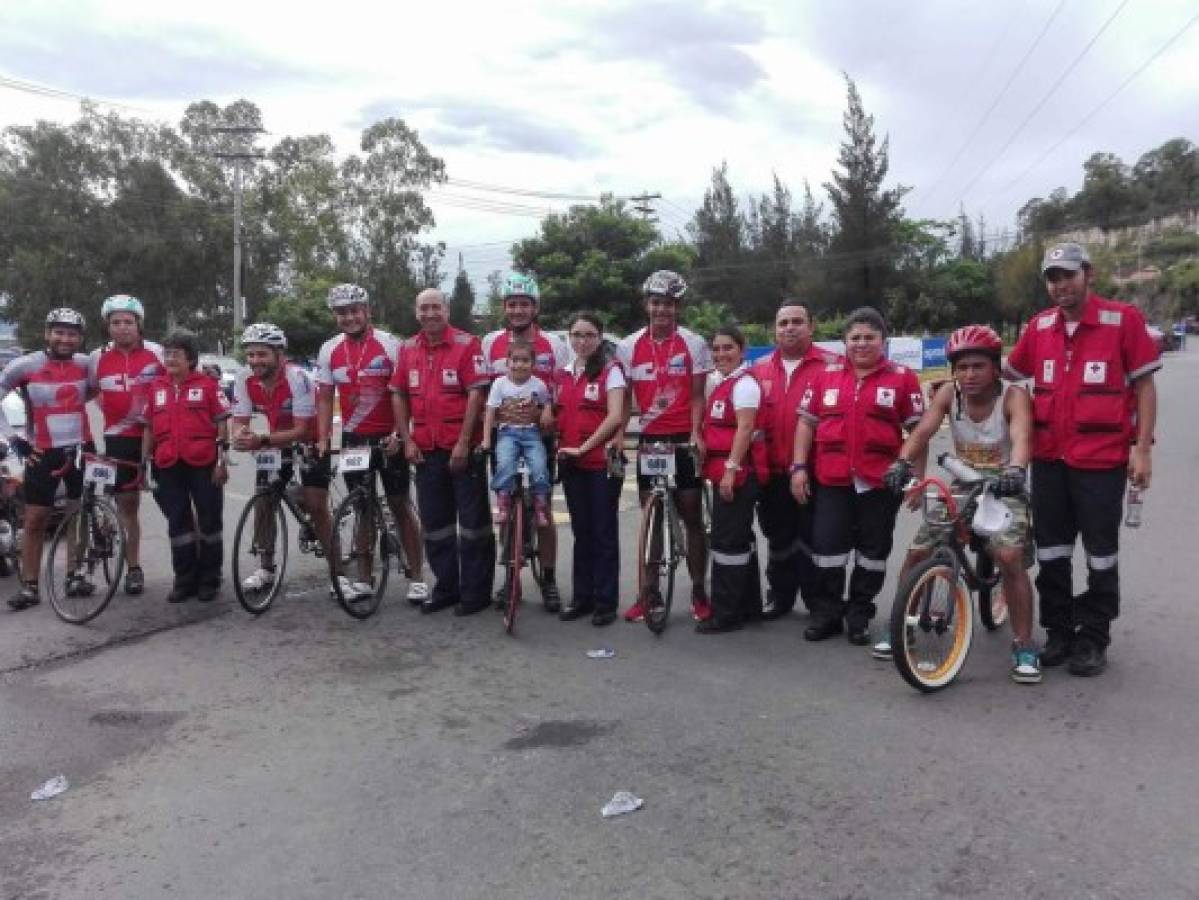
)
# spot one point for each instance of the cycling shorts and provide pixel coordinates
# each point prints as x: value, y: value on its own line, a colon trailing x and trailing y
x: 40, y: 483
x: 127, y: 449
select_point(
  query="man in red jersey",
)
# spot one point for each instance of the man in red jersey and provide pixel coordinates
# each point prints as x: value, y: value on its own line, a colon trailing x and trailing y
x: 122, y: 372
x: 521, y: 298
x: 54, y: 385
x: 668, y: 366
x: 357, y: 365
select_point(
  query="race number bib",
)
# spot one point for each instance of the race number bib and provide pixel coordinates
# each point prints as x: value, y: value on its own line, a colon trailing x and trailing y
x: 100, y: 474
x: 268, y: 460
x: 657, y: 464
x: 358, y: 460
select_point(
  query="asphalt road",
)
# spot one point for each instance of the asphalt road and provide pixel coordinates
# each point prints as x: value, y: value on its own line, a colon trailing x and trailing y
x: 304, y: 754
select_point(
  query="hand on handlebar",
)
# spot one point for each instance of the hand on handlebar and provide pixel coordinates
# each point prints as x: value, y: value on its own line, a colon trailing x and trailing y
x: 1010, y: 482
x: 898, y: 476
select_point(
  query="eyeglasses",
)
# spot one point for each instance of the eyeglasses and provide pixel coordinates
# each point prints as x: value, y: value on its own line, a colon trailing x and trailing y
x: 584, y: 335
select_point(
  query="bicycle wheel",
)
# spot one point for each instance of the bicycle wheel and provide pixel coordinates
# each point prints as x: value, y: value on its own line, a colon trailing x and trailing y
x: 992, y: 604
x: 260, y: 545
x: 88, y: 549
x: 654, y: 572
x: 516, y: 558
x: 362, y: 551
x: 932, y: 624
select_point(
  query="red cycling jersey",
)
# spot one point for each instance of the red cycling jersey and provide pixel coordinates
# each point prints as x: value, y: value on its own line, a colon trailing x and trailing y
x: 360, y: 371
x: 55, y: 392
x: 661, y: 373
x: 549, y: 353
x: 123, y: 380
x: 292, y: 397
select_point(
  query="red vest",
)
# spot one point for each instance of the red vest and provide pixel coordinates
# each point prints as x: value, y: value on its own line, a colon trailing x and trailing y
x: 582, y: 406
x: 437, y: 382
x: 1082, y: 398
x: 720, y: 427
x: 780, y: 400
x: 184, y: 419
x: 859, y: 424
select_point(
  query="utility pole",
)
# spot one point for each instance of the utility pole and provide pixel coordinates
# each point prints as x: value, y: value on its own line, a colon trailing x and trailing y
x: 243, y: 132
x: 643, y: 203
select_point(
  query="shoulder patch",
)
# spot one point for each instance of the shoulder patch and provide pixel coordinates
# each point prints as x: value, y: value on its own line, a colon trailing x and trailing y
x: 1110, y: 317
x: 462, y: 338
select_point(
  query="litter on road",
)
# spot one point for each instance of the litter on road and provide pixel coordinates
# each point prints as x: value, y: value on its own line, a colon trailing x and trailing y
x: 51, y: 788
x: 622, y: 802
x: 601, y: 653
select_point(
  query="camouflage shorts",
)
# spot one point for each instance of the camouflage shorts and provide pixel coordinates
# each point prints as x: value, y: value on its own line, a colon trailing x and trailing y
x: 1018, y: 534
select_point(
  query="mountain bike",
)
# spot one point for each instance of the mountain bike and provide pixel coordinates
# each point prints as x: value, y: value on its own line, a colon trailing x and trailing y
x: 518, y: 544
x: 365, y: 538
x: 260, y: 543
x: 661, y: 544
x: 932, y: 620
x: 89, y: 542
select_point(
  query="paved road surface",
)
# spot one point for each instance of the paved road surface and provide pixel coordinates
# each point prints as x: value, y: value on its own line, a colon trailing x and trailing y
x: 307, y: 755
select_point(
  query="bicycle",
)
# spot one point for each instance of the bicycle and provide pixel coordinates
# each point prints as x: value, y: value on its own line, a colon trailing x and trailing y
x: 12, y: 513
x: 89, y: 541
x: 261, y: 535
x: 518, y: 542
x: 932, y: 621
x: 362, y: 536
x: 660, y: 541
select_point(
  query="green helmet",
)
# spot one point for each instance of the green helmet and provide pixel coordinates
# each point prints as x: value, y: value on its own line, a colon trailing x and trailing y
x: 516, y: 284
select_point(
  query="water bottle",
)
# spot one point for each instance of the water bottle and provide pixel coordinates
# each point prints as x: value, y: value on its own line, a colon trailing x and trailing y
x: 958, y: 469
x: 6, y: 537
x: 1132, y: 507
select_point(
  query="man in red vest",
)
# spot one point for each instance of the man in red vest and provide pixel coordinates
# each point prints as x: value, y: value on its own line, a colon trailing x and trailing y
x: 1091, y: 362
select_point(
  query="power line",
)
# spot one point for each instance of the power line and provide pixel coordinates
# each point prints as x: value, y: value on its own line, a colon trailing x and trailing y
x: 527, y: 192
x: 1044, y: 99
x: 1106, y: 100
x: 994, y: 103
x: 41, y: 90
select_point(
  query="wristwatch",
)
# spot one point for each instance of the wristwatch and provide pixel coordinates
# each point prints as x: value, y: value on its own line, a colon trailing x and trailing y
x: 798, y: 467
x: 730, y: 466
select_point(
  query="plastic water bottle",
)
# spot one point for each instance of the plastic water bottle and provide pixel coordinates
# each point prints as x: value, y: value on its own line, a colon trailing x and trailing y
x: 1132, y: 507
x: 958, y: 469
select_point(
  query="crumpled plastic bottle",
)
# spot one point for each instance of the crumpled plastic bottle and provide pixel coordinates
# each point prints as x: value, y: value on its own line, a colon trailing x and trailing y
x: 51, y: 788
x: 622, y: 802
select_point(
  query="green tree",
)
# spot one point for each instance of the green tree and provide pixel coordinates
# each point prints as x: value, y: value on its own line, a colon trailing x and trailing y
x: 303, y: 316
x: 718, y: 232
x: 1019, y: 287
x: 462, y: 303
x: 865, y: 215
x: 1107, y: 196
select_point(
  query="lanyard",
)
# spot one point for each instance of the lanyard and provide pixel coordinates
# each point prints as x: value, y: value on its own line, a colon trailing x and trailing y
x: 659, y: 367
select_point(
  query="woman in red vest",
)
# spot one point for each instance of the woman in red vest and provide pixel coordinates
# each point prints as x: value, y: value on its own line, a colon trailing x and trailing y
x: 188, y: 439
x: 851, y: 423
x: 590, y: 408
x: 735, y: 463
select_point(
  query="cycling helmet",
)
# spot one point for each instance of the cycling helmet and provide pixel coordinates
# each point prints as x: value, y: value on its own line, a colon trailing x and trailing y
x: 122, y: 303
x: 666, y: 284
x: 64, y: 316
x: 517, y: 284
x: 346, y: 295
x: 974, y: 339
x: 265, y: 333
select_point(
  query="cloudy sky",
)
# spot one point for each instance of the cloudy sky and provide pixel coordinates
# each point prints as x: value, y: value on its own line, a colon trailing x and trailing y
x: 986, y: 105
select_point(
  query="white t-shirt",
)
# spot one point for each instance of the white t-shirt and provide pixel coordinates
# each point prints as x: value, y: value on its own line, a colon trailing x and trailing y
x: 747, y: 393
x: 789, y: 366
x: 504, y: 389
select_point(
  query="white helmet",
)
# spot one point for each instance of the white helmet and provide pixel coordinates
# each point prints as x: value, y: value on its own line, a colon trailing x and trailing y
x: 64, y: 316
x: 265, y: 333
x: 122, y: 303
x: 665, y: 283
x: 346, y: 295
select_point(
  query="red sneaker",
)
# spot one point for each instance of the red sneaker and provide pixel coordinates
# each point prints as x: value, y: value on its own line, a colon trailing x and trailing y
x: 636, y: 612
x: 503, y: 505
x: 701, y: 608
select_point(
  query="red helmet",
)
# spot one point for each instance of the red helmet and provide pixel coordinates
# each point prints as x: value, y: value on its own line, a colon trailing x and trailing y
x: 974, y: 339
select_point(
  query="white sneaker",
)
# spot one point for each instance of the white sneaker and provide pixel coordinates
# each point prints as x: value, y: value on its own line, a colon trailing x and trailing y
x: 260, y: 580
x: 351, y: 590
x: 418, y: 592
x: 882, y: 649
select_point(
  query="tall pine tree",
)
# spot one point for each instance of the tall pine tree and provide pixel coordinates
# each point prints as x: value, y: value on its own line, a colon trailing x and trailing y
x: 864, y: 215
x: 462, y: 301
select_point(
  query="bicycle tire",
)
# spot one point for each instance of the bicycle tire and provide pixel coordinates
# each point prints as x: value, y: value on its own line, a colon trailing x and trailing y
x: 992, y: 604
x: 516, y: 549
x: 357, y: 507
x: 270, y: 504
x: 657, y: 603
x: 100, y: 545
x: 908, y: 626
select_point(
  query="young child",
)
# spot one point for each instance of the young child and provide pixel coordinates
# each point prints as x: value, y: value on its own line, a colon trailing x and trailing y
x: 519, y: 388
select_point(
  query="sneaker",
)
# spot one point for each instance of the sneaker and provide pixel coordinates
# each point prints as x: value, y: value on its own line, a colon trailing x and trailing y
x: 503, y: 506
x: 1026, y: 664
x: 260, y: 580
x: 135, y: 581
x: 636, y: 612
x: 353, y: 590
x: 80, y: 586
x: 701, y: 607
x: 882, y: 648
x: 418, y: 592
x: 1087, y: 659
x: 541, y: 511
x: 26, y: 597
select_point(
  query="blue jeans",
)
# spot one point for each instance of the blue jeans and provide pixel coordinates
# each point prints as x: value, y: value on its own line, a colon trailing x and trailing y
x: 510, y: 445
